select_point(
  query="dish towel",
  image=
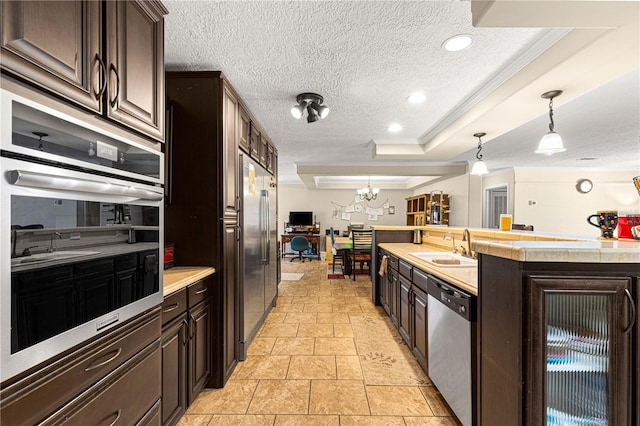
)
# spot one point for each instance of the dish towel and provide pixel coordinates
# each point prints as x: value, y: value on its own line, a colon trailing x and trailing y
x: 383, y: 266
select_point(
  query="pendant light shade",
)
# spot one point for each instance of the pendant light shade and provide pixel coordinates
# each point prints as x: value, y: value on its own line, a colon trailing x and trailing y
x: 551, y: 143
x: 479, y: 167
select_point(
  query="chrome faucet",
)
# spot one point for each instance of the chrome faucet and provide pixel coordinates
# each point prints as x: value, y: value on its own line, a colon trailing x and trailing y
x: 53, y: 234
x: 449, y: 236
x: 466, y: 236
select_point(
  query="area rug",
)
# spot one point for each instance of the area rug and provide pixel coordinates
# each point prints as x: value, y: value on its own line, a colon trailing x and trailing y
x: 290, y: 276
x: 337, y: 275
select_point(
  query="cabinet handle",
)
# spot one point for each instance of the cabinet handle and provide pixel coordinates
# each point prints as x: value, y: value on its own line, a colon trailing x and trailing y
x: 192, y: 328
x: 202, y: 290
x: 633, y: 311
x: 118, y: 414
x: 186, y: 331
x: 102, y: 71
x: 171, y: 308
x: 113, y: 102
x: 105, y: 362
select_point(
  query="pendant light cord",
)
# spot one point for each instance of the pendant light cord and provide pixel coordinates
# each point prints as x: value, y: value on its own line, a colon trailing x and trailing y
x: 551, y: 125
x: 478, y: 155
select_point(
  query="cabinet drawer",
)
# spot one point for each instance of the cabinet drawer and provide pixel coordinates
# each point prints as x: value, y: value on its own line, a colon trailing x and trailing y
x: 392, y: 262
x: 52, y: 386
x: 132, y: 392
x: 420, y: 279
x: 198, y: 291
x: 405, y: 269
x: 174, y: 305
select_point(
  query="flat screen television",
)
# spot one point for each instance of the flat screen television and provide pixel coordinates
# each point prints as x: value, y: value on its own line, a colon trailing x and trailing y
x: 301, y: 218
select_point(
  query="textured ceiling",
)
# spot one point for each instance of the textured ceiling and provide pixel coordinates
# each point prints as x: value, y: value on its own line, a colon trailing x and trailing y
x: 364, y: 57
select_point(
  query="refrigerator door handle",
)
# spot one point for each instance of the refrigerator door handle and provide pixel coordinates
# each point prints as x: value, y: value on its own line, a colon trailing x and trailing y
x: 267, y: 242
x: 261, y: 230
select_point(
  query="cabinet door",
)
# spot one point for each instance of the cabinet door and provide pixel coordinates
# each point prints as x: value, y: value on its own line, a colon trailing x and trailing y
x: 244, y: 129
x: 394, y: 293
x: 57, y: 46
x: 174, y: 370
x: 230, y: 151
x: 199, y: 348
x: 135, y: 66
x: 404, y: 315
x: 581, y: 335
x: 263, y: 151
x: 256, y: 140
x: 229, y: 301
x: 271, y: 159
x: 419, y: 326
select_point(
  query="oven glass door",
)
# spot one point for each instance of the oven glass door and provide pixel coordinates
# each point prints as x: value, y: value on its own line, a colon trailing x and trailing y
x: 81, y: 253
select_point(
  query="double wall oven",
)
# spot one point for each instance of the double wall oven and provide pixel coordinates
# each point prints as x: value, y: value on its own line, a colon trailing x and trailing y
x: 81, y: 226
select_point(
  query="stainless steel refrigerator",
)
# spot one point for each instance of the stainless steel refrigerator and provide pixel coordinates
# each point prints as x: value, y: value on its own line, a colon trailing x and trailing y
x: 258, y: 285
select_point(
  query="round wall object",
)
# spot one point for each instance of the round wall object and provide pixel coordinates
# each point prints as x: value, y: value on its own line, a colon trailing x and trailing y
x: 584, y: 186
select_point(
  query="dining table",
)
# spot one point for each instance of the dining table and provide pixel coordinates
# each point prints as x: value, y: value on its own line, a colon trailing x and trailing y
x: 344, y: 245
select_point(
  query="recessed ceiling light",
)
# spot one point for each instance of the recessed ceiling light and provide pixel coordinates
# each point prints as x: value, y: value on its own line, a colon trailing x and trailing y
x: 457, y: 42
x: 395, y: 127
x: 416, y: 98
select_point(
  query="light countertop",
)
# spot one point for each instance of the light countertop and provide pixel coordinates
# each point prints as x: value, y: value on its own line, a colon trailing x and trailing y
x: 181, y: 276
x: 466, y: 278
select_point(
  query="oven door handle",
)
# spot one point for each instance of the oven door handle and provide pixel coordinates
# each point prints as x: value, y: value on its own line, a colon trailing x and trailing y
x: 45, y: 181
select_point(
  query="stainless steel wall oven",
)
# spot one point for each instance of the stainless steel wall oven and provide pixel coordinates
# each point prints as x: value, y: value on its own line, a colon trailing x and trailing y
x: 81, y: 222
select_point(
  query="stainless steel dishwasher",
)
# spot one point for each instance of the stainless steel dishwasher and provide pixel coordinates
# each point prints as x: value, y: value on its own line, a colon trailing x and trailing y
x: 451, y: 325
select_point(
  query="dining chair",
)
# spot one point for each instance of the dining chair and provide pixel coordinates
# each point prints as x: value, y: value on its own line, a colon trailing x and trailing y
x: 299, y: 244
x: 361, y: 240
x: 334, y: 252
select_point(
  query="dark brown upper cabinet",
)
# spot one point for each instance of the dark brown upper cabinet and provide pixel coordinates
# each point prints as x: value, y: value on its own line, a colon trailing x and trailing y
x: 244, y: 130
x: 107, y: 57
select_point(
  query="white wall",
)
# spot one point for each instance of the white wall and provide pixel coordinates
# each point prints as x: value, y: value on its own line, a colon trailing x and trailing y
x: 465, y: 198
x: 560, y: 208
x: 299, y: 198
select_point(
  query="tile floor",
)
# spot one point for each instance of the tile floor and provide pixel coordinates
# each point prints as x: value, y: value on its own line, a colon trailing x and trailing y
x: 325, y: 356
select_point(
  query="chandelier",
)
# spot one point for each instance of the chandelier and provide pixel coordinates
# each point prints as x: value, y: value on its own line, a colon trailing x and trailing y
x: 368, y: 193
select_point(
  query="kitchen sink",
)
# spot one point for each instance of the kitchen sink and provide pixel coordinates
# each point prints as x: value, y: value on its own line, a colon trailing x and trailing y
x: 446, y: 260
x: 50, y: 257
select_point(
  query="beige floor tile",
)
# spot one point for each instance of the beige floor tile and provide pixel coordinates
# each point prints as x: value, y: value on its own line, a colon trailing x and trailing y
x: 348, y: 308
x: 391, y: 369
x: 315, y: 330
x: 284, y: 300
x: 293, y: 346
x: 194, y: 420
x: 312, y: 367
x: 281, y: 397
x: 288, y: 308
x: 431, y: 421
x: 265, y: 367
x: 304, y: 300
x: 371, y: 421
x: 338, y: 397
x: 318, y: 307
x: 397, y: 400
x: 348, y: 367
x: 301, y: 317
x: 233, y: 398
x: 246, y: 420
x: 298, y: 291
x: 306, y: 420
x: 342, y: 330
x: 330, y: 299
x: 279, y: 330
x: 333, y: 317
x: 437, y: 403
x: 261, y: 346
x: 275, y: 318
x: 335, y: 346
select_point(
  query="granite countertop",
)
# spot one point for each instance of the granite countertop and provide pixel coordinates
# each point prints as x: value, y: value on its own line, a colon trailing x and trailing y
x: 465, y: 278
x: 181, y: 276
x: 596, y: 251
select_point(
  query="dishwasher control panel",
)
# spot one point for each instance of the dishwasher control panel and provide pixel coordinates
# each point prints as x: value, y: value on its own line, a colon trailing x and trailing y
x: 462, y: 303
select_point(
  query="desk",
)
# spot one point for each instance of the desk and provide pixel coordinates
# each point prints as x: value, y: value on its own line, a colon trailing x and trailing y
x: 314, y: 239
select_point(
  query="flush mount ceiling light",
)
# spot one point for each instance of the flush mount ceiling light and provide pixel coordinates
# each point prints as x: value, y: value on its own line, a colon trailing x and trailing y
x: 368, y: 193
x: 313, y: 103
x: 457, y: 42
x: 479, y: 167
x: 583, y: 186
x: 551, y: 143
x: 416, y: 98
x: 394, y: 128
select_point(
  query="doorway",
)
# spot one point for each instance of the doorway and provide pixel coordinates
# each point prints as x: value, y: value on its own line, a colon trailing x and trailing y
x: 496, y: 203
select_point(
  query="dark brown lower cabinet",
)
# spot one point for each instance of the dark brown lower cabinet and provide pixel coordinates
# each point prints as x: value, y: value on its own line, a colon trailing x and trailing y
x: 186, y: 348
x: 419, y: 326
x: 404, y: 309
x: 557, y: 343
x: 114, y: 376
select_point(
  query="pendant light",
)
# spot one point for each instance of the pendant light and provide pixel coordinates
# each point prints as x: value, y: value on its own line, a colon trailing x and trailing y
x: 551, y: 143
x: 368, y: 193
x: 479, y: 167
